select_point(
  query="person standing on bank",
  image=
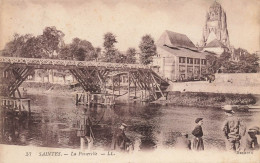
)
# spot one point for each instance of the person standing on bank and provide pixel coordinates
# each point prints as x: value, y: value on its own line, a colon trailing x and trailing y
x: 233, y: 129
x: 120, y: 141
x: 198, y: 133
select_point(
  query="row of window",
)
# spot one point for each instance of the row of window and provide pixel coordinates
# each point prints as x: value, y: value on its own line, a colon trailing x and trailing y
x: 192, y: 60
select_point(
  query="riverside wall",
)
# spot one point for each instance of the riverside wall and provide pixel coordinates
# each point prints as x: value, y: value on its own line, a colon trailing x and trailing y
x: 237, y: 83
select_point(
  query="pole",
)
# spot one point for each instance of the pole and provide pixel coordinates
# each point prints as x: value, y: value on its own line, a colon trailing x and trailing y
x: 119, y: 84
x: 128, y: 86
x: 135, y: 89
x: 113, y: 85
x: 77, y: 97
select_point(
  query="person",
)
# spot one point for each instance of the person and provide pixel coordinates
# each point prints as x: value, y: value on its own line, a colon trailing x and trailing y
x: 233, y: 129
x: 120, y: 141
x: 198, y: 133
x: 183, y: 142
x: 249, y: 141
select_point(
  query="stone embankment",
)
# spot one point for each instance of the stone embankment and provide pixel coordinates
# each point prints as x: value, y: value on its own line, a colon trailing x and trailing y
x: 216, y: 87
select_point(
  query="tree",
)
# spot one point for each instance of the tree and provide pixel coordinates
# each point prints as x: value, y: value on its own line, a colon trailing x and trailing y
x: 97, y: 52
x: 14, y: 47
x: 33, y: 48
x: 148, y: 49
x: 81, y: 50
x: 120, y: 58
x: 51, y: 40
x: 212, y: 63
x: 42, y: 46
x: 110, y: 50
x: 249, y: 63
x: 130, y: 55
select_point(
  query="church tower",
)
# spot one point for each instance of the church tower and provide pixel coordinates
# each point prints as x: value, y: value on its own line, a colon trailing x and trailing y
x: 215, y: 27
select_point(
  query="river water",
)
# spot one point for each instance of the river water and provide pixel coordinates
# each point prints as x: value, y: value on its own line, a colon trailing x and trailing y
x: 54, y: 120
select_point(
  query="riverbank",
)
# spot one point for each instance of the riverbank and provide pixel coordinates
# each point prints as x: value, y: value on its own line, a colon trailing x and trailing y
x: 49, y: 89
x: 184, y: 98
x: 203, y: 99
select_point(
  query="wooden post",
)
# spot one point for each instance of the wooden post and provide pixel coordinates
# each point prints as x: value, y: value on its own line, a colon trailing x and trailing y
x: 105, y: 99
x: 135, y: 89
x: 29, y: 107
x: 77, y: 96
x: 145, y: 93
x: 113, y: 85
x: 89, y: 98
x: 119, y: 84
x: 84, y: 98
x: 19, y: 106
x: 129, y: 86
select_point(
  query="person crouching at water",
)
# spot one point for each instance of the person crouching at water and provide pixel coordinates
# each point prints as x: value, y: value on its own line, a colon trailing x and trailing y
x: 120, y: 141
x: 198, y: 133
x: 249, y: 141
x: 183, y: 142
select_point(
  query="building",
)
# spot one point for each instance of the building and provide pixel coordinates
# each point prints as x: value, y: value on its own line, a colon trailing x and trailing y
x: 215, y: 26
x: 215, y: 46
x: 178, y: 58
x: 215, y: 37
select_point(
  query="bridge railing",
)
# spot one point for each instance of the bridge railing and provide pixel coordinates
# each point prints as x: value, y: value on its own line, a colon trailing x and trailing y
x: 40, y: 61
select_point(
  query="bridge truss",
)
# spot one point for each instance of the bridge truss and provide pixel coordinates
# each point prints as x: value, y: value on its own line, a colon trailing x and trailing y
x: 91, y: 75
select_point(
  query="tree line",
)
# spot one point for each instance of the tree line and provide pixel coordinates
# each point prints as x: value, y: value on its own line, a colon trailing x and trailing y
x: 247, y: 62
x: 50, y: 44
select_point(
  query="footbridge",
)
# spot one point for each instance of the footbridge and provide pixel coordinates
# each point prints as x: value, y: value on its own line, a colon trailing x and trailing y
x: 93, y: 76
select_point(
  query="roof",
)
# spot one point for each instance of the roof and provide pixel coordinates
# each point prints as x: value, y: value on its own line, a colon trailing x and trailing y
x: 183, y: 52
x: 215, y: 44
x: 175, y: 40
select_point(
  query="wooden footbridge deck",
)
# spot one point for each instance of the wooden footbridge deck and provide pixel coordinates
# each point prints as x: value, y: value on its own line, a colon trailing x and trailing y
x: 93, y: 76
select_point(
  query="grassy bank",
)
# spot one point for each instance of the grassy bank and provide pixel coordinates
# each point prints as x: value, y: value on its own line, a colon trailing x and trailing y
x: 200, y: 99
x: 209, y: 99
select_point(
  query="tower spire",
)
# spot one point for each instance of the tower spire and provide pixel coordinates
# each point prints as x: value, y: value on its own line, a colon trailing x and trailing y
x: 215, y: 25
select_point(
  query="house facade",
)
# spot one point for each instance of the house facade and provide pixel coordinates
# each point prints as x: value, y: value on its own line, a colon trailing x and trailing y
x: 178, y: 58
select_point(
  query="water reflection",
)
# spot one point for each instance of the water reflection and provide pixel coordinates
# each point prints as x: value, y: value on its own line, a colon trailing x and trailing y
x: 54, y: 122
x: 13, y: 126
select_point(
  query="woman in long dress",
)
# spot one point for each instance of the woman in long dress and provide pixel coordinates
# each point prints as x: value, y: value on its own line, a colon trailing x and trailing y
x: 198, y: 133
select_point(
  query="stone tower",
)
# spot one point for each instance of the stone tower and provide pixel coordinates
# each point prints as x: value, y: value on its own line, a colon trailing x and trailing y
x: 215, y: 26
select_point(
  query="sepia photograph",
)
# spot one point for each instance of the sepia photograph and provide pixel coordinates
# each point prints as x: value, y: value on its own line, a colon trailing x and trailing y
x: 130, y: 81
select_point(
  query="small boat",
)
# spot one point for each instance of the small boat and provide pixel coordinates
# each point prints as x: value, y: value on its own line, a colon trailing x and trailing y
x: 237, y: 108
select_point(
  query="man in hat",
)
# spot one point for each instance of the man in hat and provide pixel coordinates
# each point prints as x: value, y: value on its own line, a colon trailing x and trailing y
x: 249, y: 141
x: 198, y: 133
x: 183, y: 142
x: 233, y: 129
x: 120, y: 141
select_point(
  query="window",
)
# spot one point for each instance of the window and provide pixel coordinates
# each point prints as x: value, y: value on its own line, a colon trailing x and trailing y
x: 203, y: 61
x: 197, y: 61
x: 190, y: 60
x: 182, y: 60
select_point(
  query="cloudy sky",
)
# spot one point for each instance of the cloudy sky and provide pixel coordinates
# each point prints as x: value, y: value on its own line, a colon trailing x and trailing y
x: 129, y: 20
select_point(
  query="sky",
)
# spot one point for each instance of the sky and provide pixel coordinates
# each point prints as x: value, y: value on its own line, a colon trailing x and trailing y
x: 129, y: 20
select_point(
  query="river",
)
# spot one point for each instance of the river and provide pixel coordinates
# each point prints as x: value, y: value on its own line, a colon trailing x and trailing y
x: 54, y: 119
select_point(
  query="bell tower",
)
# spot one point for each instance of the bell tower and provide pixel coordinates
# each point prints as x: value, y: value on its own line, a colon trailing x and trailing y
x: 215, y: 26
